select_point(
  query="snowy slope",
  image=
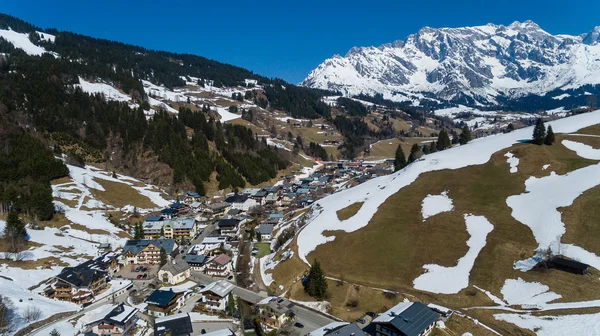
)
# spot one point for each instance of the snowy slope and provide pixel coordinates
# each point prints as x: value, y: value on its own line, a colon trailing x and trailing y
x: 21, y: 41
x: 481, y: 62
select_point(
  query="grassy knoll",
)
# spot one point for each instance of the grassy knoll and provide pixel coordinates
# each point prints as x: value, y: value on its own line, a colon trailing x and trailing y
x: 581, y: 221
x: 590, y: 141
x: 387, y: 148
x: 349, y: 211
x: 594, y: 130
x: 391, y: 250
x: 120, y: 194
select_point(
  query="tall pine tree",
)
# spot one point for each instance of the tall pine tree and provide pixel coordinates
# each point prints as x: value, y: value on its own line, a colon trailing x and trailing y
x: 443, y: 140
x: 414, y: 153
x: 465, y: 135
x: 15, y: 232
x: 400, y: 159
x: 549, y: 139
x: 316, y: 284
x: 539, y: 132
x: 433, y: 147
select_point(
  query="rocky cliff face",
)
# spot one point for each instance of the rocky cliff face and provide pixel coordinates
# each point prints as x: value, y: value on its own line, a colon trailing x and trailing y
x: 482, y: 63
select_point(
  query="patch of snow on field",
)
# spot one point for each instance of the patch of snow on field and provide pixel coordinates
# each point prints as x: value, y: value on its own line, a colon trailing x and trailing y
x: 522, y: 292
x: 375, y: 191
x: 555, y: 325
x: 450, y: 280
x: 267, y: 263
x: 513, y: 161
x: 492, y: 297
x: 109, y: 92
x: 22, y: 41
x: 322, y: 306
x: 435, y: 204
x: 226, y: 115
x: 538, y: 209
x: 22, y: 299
x: 583, y: 150
x: 544, y: 167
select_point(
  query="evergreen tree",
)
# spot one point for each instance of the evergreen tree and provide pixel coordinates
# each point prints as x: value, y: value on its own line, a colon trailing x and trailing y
x: 316, y: 284
x: 443, y: 141
x: 465, y: 135
x: 15, y: 232
x: 230, y: 304
x: 54, y: 332
x: 539, y: 132
x: 510, y: 127
x: 400, y: 159
x: 432, y: 147
x: 163, y: 257
x: 414, y: 153
x: 549, y: 140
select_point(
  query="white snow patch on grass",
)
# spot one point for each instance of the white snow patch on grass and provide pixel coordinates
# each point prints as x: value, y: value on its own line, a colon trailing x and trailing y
x: 21, y: 41
x: 522, y: 292
x: 375, y: 191
x: 226, y: 115
x: 513, y: 161
x: 109, y: 92
x: 588, y: 324
x: 267, y: 263
x: 544, y: 167
x: 450, y: 280
x: 583, y: 150
x: 435, y: 204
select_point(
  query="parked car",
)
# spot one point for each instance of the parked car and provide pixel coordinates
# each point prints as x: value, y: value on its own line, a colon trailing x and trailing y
x: 144, y: 269
x: 139, y: 276
x: 137, y: 269
x: 119, y: 276
x: 361, y: 320
x: 299, y: 325
x: 145, y: 275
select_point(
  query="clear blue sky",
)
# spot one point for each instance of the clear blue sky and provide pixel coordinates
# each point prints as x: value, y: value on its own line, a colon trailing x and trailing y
x: 285, y: 38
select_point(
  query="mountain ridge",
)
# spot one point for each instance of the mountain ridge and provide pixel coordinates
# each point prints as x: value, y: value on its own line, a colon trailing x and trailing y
x: 484, y: 63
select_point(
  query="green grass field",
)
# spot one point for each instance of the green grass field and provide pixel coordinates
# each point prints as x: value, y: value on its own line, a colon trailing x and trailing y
x: 263, y: 249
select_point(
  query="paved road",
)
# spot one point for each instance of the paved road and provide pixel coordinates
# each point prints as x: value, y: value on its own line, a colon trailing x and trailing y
x: 309, y: 318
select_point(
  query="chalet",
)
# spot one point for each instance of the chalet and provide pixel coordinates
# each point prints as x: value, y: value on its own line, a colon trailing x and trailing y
x: 113, y: 321
x: 173, y: 325
x: 288, y: 198
x: 329, y: 329
x: 174, y: 272
x: 273, y: 199
x: 220, y: 266
x: 167, y: 230
x: 260, y: 196
x: 161, y: 302
x: 568, y: 265
x: 79, y: 284
x: 184, y: 229
x: 191, y: 197
x: 218, y: 208
x: 233, y: 213
x: 153, y: 219
x: 146, y: 251
x: 275, y: 312
x: 168, y: 213
x: 210, y: 244
x: 196, y: 262
x: 265, y: 231
x: 228, y: 227
x: 215, y: 295
x: 406, y: 319
x: 153, y: 230
x: 241, y: 202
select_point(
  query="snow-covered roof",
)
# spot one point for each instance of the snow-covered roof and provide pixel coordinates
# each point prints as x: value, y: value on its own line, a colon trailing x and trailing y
x: 221, y: 288
x: 391, y: 313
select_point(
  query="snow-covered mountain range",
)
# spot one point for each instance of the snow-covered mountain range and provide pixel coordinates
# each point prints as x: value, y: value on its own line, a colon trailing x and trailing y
x: 481, y: 62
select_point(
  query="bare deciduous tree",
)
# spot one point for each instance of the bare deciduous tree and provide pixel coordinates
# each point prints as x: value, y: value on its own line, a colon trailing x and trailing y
x: 32, y: 313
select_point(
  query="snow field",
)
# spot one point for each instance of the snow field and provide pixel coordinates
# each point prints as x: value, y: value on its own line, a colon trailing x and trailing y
x: 450, y: 280
x: 435, y: 204
x: 513, y: 161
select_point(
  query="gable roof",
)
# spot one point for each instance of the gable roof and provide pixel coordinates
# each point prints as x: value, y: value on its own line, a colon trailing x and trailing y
x: 266, y: 229
x: 221, y: 259
x: 176, y: 267
x: 227, y: 223
x: 153, y: 218
x: 236, y: 198
x: 351, y: 329
x: 221, y: 288
x: 135, y: 246
x: 195, y: 259
x: 116, y: 315
x: 173, y: 325
x: 184, y: 223
x: 161, y: 298
x: 410, y: 318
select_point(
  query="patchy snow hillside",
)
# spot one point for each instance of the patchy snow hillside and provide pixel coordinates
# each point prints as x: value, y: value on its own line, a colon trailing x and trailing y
x: 482, y: 62
x: 21, y: 41
x: 72, y: 238
x: 374, y: 192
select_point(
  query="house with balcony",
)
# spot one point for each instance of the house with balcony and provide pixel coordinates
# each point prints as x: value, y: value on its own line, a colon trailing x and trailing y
x: 405, y: 319
x: 145, y: 251
x: 215, y: 296
x: 153, y: 229
x: 228, y: 227
x: 79, y: 284
x: 275, y: 312
x: 113, y: 321
x: 196, y: 261
x: 184, y: 229
x: 218, y: 208
x: 162, y: 302
x: 220, y: 266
